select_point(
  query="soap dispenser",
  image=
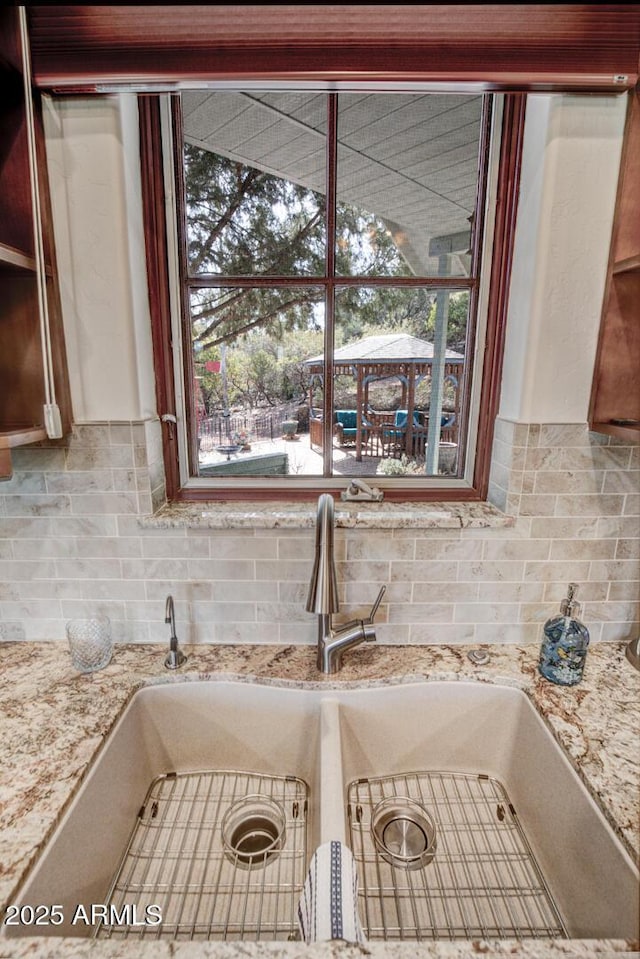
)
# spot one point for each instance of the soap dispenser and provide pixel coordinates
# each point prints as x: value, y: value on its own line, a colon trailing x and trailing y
x: 564, y: 647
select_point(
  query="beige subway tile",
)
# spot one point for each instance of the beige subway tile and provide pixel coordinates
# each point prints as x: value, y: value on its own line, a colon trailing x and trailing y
x: 498, y: 497
x: 544, y: 458
x: 229, y: 612
x: 491, y: 571
x: 486, y: 613
x: 397, y: 592
x: 127, y: 547
x: 563, y: 434
x: 624, y: 591
x: 516, y: 549
x: 49, y: 589
x: 298, y: 634
x: 190, y: 591
x: 89, y: 435
x: 171, y: 548
x: 37, y: 630
x: 289, y: 592
x: 120, y: 434
x: 361, y: 572
x: 619, y: 632
x: 26, y: 609
x: 123, y: 590
x: 23, y: 482
x: 534, y: 505
x: 523, y: 634
x: 596, y: 458
x: 589, y: 505
x: 628, y: 549
x: 282, y: 613
x: 299, y: 572
x: 536, y: 613
x: 621, y: 481
x: 37, y: 458
x: 453, y: 592
x: 93, y: 568
x: 393, y: 634
x: 510, y: 592
x: 114, y: 457
x: 52, y: 548
x: 614, y: 569
x: 235, y: 570
x: 564, y: 527
x: 90, y: 608
x: 87, y: 481
x: 570, y: 572
x: 12, y: 632
x: 441, y: 634
x: 581, y: 481
x: 619, y: 612
x: 232, y: 633
x: 299, y: 548
x: 383, y: 547
x: 618, y: 527
x: 422, y: 572
x: 632, y: 504
x: 26, y: 570
x: 449, y: 549
x: 98, y: 503
x: 588, y: 591
x: 570, y: 549
x: 420, y: 613
x: 37, y: 505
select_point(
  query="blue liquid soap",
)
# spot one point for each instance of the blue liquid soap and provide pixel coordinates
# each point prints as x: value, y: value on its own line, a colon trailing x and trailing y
x: 564, y: 647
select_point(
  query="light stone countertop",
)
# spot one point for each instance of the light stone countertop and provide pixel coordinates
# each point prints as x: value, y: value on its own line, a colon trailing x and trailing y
x: 53, y: 721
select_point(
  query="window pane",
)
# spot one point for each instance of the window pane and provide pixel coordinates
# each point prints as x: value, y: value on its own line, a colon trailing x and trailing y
x: 255, y: 181
x: 251, y: 384
x: 401, y: 351
x: 406, y: 183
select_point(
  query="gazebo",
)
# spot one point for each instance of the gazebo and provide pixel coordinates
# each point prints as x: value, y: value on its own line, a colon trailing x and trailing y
x: 389, y: 432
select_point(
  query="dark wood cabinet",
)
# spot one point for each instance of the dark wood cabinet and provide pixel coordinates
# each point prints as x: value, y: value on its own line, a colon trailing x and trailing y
x: 22, y: 378
x: 615, y: 397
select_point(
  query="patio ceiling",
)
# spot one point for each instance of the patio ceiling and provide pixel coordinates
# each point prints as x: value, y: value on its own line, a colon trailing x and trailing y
x: 410, y: 159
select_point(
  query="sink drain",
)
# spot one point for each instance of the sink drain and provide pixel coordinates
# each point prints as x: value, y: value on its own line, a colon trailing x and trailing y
x: 253, y: 831
x: 404, y: 832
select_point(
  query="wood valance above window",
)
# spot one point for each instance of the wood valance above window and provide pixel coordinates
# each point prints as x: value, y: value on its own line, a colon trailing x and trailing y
x: 581, y: 47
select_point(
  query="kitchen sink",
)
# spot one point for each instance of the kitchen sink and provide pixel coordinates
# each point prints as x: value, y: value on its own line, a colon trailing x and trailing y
x: 208, y: 799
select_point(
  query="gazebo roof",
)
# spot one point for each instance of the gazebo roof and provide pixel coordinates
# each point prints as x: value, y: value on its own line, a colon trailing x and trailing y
x: 387, y: 348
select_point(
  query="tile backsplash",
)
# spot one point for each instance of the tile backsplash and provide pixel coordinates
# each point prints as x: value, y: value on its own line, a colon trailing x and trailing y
x: 71, y: 545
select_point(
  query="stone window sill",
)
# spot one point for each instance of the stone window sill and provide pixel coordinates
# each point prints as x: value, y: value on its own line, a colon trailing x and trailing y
x: 246, y: 515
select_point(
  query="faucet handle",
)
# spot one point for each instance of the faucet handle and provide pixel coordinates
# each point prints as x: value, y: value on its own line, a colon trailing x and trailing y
x: 374, y: 608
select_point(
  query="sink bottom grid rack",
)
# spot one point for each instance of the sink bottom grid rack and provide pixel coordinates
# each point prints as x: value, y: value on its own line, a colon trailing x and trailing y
x: 458, y: 868
x: 221, y: 855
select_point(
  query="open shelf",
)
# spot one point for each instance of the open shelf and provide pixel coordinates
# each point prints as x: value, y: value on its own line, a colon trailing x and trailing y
x: 630, y: 265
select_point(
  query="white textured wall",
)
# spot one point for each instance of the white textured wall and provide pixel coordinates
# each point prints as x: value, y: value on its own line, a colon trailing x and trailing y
x: 570, y: 170
x: 92, y: 148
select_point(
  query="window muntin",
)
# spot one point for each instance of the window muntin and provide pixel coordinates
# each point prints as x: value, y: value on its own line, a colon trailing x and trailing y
x: 371, y: 287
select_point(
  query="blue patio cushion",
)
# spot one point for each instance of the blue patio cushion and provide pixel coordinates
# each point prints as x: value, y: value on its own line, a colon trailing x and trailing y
x: 347, y: 419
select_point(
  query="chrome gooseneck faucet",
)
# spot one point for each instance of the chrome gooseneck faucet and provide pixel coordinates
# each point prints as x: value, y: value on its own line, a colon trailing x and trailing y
x: 323, y: 597
x: 175, y: 657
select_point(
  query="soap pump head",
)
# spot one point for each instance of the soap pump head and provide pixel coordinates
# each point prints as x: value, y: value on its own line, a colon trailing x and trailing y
x: 570, y: 606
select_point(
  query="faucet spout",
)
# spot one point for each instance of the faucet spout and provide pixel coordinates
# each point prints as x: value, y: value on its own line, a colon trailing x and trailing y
x: 322, y: 598
x: 323, y: 588
x: 175, y: 657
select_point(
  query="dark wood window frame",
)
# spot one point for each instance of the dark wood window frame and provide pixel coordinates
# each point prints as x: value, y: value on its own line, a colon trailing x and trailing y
x: 159, y: 290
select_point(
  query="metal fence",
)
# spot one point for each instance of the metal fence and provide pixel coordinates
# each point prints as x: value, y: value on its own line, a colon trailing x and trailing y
x: 219, y: 429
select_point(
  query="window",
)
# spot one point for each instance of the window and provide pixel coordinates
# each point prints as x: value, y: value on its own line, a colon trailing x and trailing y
x: 328, y: 253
